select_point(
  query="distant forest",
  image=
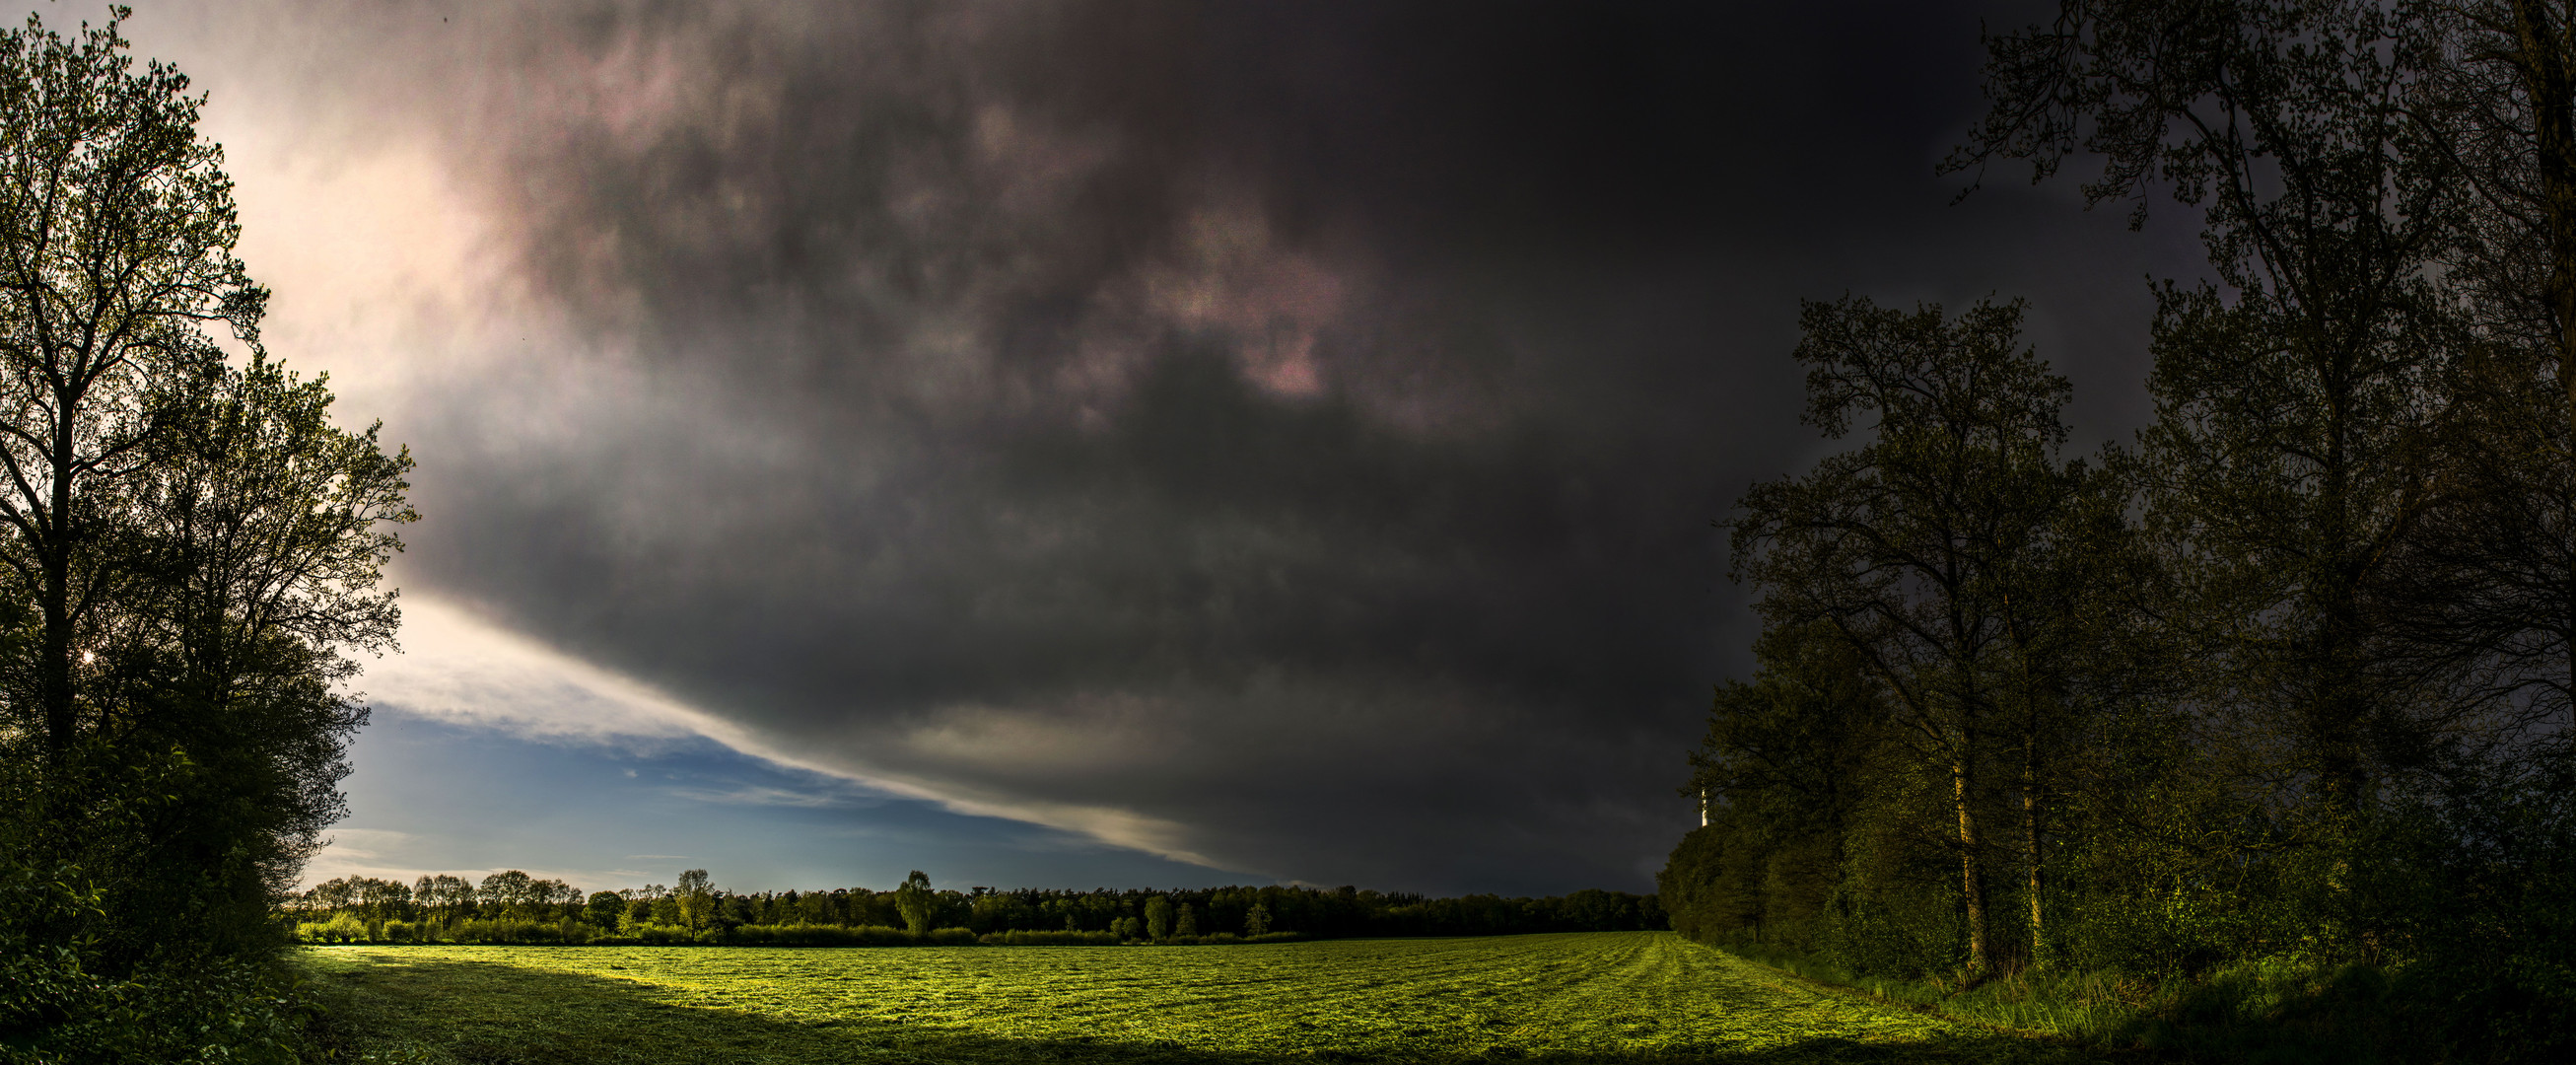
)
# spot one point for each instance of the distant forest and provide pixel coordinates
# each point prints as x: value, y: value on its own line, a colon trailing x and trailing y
x: 512, y: 907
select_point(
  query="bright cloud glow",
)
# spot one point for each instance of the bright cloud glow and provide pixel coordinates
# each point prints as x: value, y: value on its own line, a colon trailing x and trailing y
x: 458, y: 669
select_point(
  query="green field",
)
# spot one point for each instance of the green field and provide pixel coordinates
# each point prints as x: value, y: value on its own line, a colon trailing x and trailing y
x: 1620, y: 996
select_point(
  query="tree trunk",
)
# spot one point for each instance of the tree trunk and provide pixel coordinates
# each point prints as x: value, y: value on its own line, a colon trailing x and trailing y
x: 2545, y: 44
x: 1972, y: 865
x: 2552, y: 89
x: 54, y: 669
x: 2339, y: 707
x: 2030, y: 841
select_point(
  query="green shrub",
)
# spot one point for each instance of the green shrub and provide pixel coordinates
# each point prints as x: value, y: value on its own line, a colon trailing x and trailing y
x: 168, y: 1010
x: 818, y: 935
x: 341, y: 928
x: 507, y: 930
x: 1050, y: 939
x: 656, y: 935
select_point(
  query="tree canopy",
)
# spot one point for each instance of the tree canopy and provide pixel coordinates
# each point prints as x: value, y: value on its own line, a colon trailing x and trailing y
x: 2287, y: 681
x: 190, y: 546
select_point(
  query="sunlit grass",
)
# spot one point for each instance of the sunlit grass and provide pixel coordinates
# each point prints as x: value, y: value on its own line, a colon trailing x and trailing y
x: 2091, y: 1006
x: 1603, y: 997
x: 2281, y: 1011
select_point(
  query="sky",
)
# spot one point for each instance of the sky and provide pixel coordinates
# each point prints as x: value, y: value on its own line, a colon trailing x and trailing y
x: 1092, y: 444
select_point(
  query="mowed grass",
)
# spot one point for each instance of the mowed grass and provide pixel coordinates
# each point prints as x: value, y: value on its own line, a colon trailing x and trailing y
x: 1613, y: 997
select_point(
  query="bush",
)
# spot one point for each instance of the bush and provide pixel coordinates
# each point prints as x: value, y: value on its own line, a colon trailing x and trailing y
x: 656, y: 935
x: 506, y: 930
x: 203, y: 1009
x: 950, y: 937
x: 341, y: 928
x: 1050, y: 939
x: 819, y: 935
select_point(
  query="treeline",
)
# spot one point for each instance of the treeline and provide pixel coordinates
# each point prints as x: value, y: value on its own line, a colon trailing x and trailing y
x: 2280, y: 692
x: 514, y: 907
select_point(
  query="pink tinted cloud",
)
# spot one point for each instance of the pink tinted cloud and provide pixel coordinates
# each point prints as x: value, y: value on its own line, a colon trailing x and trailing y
x: 1273, y: 303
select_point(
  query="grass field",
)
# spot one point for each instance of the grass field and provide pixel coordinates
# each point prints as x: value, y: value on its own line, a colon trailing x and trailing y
x: 1615, y: 997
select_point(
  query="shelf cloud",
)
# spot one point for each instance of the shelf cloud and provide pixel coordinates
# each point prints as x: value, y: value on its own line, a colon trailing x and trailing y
x: 1277, y: 437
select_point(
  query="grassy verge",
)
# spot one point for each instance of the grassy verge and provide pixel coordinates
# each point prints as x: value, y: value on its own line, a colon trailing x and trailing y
x: 2273, y: 1013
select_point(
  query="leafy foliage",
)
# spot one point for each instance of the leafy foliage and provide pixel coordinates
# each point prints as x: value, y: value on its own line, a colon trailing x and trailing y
x: 189, y: 546
x: 2277, y: 701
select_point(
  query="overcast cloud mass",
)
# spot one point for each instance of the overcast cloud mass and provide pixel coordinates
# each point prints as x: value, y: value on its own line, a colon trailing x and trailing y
x: 1278, y: 438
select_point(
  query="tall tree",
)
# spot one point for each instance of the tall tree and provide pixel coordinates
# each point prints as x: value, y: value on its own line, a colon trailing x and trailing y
x: 255, y: 533
x: 2297, y: 395
x: 1921, y: 549
x: 2492, y: 594
x: 914, y: 900
x: 117, y: 229
x: 696, y: 894
x: 188, y: 546
x: 1781, y: 775
x: 2504, y: 113
x: 1792, y: 748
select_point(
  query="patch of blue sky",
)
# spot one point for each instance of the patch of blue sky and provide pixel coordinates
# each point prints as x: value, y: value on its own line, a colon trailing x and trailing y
x: 430, y: 794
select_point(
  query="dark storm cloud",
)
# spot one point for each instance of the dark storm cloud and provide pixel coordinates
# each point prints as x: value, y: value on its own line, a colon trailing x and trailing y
x: 1281, y: 434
